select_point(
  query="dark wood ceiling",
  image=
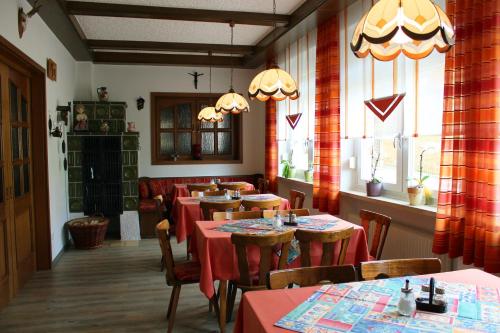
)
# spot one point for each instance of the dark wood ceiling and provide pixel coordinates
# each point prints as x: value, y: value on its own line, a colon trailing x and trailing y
x: 60, y: 17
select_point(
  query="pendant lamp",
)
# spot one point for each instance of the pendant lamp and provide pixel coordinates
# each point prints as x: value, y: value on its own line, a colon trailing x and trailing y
x: 208, y: 113
x: 232, y: 102
x: 273, y: 83
x: 414, y: 27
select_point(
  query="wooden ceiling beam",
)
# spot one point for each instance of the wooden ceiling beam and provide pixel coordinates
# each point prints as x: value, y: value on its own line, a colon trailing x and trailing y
x: 165, y: 59
x: 169, y: 13
x: 100, y: 44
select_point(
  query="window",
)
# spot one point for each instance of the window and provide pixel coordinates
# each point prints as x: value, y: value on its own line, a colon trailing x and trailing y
x: 177, y: 135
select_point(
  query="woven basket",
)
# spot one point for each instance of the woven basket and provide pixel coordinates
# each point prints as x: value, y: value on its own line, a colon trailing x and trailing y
x: 88, y: 232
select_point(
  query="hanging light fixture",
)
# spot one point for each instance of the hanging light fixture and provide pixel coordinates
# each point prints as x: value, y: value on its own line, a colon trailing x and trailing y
x: 232, y: 102
x: 414, y: 27
x: 208, y: 113
x: 273, y: 83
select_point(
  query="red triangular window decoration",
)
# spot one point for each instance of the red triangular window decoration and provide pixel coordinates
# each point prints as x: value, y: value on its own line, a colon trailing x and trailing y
x: 293, y: 119
x: 383, y: 107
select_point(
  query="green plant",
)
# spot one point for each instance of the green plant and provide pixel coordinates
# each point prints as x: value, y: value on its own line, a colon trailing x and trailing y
x: 421, y: 178
x: 286, y: 168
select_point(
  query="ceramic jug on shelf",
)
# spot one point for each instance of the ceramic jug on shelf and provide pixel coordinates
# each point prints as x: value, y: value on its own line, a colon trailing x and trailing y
x: 102, y: 93
x: 131, y: 126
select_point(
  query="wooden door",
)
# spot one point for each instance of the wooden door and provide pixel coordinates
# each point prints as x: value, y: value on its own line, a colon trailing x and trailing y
x: 20, y: 176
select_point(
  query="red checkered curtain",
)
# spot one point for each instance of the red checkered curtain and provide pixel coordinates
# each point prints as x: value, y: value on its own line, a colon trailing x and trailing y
x: 327, y: 119
x: 271, y: 146
x: 468, y: 217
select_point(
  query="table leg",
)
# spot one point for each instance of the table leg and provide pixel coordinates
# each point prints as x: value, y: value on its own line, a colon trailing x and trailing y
x: 222, y: 305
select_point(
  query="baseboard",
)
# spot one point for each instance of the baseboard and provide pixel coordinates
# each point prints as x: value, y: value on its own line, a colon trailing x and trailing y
x: 55, y: 261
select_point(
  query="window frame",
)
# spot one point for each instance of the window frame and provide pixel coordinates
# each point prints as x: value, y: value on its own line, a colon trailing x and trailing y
x: 196, y: 100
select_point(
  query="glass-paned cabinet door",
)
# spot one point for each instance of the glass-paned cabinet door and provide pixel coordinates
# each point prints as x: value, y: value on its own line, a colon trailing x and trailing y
x: 167, y: 117
x: 183, y: 143
x: 184, y: 115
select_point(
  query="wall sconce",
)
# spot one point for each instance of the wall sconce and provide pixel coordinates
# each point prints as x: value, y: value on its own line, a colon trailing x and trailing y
x: 140, y: 103
x: 56, y: 133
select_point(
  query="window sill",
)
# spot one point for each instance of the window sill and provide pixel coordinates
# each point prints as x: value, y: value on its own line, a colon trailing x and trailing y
x: 421, y: 209
x: 294, y: 181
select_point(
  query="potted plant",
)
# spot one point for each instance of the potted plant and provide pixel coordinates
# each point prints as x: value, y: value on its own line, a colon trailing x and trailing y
x: 374, y: 186
x: 416, y: 193
x: 288, y: 168
x: 308, y: 174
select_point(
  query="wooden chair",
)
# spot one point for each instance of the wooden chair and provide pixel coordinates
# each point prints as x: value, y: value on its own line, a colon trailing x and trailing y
x: 249, y: 192
x: 267, y: 245
x: 382, y: 224
x: 214, y: 193
x: 273, y: 204
x: 310, y: 276
x: 382, y: 269
x: 208, y: 207
x: 297, y: 199
x: 263, y: 185
x: 201, y: 187
x: 177, y: 274
x: 221, y: 216
x: 328, y: 239
x: 233, y: 187
x: 298, y: 212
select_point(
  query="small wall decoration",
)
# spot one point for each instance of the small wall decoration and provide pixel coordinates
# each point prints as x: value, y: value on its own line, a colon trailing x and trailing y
x: 102, y: 94
x: 81, y: 118
x: 51, y: 70
x: 383, y: 107
x: 140, y: 103
x: 22, y: 17
x: 293, y: 119
x: 195, y: 76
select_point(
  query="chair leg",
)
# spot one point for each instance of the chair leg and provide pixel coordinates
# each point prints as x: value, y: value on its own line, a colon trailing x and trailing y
x: 162, y: 264
x: 170, y: 302
x: 188, y: 241
x: 233, y: 290
x: 173, y: 310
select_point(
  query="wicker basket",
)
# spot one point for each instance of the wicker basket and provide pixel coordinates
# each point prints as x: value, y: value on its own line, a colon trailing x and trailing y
x: 88, y: 232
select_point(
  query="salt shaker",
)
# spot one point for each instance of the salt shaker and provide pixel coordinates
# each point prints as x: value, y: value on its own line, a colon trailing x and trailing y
x: 277, y: 223
x: 407, y: 305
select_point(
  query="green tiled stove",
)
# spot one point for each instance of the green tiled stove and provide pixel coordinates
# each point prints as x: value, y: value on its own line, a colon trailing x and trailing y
x: 114, y: 114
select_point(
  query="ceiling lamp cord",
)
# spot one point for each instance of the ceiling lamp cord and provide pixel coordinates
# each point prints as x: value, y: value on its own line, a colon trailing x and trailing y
x: 232, y: 44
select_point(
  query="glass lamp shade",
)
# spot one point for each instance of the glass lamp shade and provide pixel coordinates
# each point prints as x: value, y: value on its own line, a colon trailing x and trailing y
x: 232, y: 103
x: 414, y: 27
x: 209, y: 114
x: 273, y: 83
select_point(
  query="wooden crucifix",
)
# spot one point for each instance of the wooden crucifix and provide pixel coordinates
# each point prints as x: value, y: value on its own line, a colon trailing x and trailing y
x: 195, y: 76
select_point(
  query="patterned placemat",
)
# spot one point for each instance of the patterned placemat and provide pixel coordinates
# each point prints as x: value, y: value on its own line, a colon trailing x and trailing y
x: 371, y: 306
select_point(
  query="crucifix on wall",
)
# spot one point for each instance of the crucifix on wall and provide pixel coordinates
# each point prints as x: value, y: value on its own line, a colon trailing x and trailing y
x: 195, y: 76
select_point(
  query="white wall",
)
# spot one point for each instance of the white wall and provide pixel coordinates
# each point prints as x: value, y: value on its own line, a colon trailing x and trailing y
x: 127, y: 83
x: 40, y: 43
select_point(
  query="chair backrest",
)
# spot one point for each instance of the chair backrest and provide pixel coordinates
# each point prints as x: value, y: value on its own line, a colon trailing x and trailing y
x: 328, y: 239
x: 298, y: 212
x: 235, y: 186
x: 201, y: 187
x: 268, y: 244
x: 166, y: 250
x: 263, y: 185
x: 382, y: 269
x: 249, y: 192
x: 261, y: 204
x: 214, y: 193
x: 310, y: 276
x: 252, y: 214
x: 382, y: 224
x: 208, y: 207
x: 297, y: 199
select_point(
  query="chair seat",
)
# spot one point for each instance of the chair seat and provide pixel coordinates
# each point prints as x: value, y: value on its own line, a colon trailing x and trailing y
x: 187, y: 271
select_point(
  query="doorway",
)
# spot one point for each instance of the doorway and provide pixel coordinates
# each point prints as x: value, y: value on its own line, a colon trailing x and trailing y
x: 24, y: 205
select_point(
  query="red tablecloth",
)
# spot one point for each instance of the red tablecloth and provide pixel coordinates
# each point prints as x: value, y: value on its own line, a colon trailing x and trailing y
x: 219, y: 261
x: 181, y: 190
x: 259, y: 310
x: 186, y: 211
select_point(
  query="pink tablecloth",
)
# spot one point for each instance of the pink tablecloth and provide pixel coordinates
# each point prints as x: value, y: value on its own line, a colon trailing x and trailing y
x: 219, y: 261
x: 259, y: 310
x: 186, y: 211
x: 181, y: 190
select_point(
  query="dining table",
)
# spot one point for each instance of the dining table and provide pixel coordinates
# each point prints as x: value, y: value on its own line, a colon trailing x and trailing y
x: 473, y: 306
x: 187, y: 210
x: 181, y: 190
x: 219, y: 261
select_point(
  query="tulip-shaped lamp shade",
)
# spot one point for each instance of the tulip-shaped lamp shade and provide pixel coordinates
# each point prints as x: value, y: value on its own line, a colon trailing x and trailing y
x: 209, y: 114
x: 232, y: 103
x: 414, y: 27
x: 273, y: 83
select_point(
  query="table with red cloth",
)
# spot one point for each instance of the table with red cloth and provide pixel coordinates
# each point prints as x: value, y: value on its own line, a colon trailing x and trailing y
x: 181, y: 190
x: 186, y: 211
x: 219, y: 261
x: 260, y: 310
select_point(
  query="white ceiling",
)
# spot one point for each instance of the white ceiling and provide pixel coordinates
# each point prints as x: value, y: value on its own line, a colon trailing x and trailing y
x: 117, y: 28
x: 258, y: 6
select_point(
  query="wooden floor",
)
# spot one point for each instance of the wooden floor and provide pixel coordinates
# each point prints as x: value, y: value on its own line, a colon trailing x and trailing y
x: 118, y: 288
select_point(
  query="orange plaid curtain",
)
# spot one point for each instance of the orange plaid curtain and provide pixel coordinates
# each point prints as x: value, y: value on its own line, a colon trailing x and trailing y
x: 327, y: 119
x: 271, y: 163
x: 468, y: 217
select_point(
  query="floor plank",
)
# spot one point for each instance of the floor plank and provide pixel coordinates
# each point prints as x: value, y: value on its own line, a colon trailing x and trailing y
x: 118, y: 288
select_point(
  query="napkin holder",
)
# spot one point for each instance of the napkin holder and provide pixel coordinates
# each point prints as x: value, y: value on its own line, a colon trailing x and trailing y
x: 431, y: 304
